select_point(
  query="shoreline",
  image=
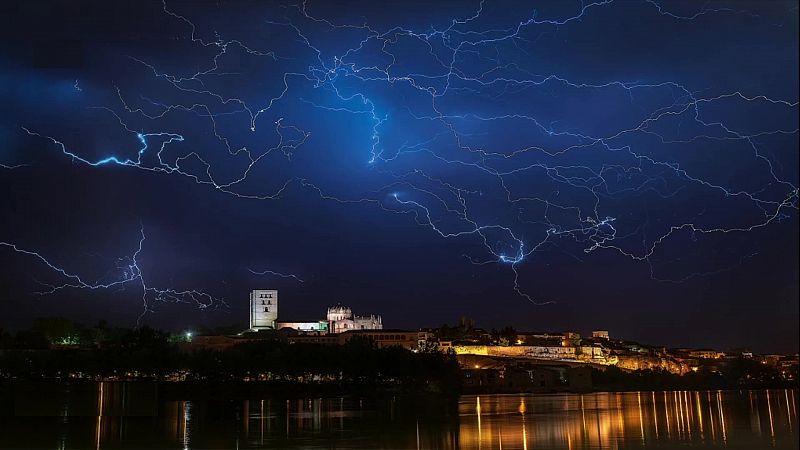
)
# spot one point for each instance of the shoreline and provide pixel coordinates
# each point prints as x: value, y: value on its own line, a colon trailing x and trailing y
x: 239, y: 390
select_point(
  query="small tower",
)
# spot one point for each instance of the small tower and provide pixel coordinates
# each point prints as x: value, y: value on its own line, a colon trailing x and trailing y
x: 263, y: 309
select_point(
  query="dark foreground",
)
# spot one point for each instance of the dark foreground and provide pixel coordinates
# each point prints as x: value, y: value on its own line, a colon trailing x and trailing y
x: 137, y: 415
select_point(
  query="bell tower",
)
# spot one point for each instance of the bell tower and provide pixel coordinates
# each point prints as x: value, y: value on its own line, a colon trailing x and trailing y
x: 263, y: 309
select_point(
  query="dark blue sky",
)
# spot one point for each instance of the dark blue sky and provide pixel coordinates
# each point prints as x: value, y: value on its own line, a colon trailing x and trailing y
x: 549, y: 165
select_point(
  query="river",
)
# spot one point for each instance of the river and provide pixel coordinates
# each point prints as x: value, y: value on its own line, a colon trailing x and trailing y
x: 134, y: 416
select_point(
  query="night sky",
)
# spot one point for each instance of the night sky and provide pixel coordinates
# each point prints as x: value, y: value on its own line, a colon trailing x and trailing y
x: 626, y: 165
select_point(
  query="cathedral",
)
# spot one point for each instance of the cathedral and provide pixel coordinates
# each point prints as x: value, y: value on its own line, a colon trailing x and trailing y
x: 264, y: 316
x: 341, y: 318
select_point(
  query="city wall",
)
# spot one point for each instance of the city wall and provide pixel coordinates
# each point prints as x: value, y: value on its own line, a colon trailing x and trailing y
x: 593, y: 354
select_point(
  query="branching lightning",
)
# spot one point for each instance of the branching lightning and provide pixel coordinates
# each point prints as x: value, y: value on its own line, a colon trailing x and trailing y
x: 127, y: 272
x: 447, y: 175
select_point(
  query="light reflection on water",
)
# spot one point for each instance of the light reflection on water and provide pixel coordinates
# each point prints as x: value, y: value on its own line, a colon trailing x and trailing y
x: 123, y: 415
x: 687, y: 419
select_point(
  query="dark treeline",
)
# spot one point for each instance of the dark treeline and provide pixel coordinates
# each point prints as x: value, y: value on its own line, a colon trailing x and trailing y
x: 145, y: 353
x: 48, y: 332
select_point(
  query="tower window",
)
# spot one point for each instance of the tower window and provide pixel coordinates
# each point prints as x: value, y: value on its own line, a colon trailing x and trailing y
x: 266, y: 309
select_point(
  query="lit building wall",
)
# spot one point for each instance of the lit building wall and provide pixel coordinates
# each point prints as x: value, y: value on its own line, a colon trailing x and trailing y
x: 385, y: 338
x: 263, y: 309
x: 367, y: 322
x: 591, y: 352
x: 532, y: 351
x: 706, y: 354
x: 319, y: 325
x: 600, y: 334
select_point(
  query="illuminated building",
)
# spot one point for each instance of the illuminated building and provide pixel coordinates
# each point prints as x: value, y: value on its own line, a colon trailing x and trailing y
x: 264, y: 316
x: 706, y: 354
x: 341, y: 319
x: 313, y: 325
x: 517, y: 351
x: 600, y: 334
x: 263, y: 309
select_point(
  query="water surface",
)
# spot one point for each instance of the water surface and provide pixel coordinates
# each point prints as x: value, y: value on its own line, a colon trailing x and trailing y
x: 134, y: 416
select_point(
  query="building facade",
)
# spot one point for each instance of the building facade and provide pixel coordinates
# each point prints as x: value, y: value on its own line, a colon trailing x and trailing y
x: 312, y: 325
x: 264, y: 316
x: 408, y: 340
x: 706, y: 354
x: 600, y: 334
x: 263, y: 309
x: 341, y: 319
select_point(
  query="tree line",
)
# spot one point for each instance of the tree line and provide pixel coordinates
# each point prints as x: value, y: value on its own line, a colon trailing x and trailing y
x: 147, y: 353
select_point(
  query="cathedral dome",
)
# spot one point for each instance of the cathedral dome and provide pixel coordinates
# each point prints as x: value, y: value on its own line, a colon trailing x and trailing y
x: 339, y: 312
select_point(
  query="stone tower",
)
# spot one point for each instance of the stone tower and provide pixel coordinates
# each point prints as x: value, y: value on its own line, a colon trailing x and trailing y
x: 263, y: 309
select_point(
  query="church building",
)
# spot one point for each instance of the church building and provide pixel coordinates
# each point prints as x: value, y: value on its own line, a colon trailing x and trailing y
x: 264, y: 316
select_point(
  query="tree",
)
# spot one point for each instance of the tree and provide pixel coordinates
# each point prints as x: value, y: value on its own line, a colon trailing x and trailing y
x: 508, y: 334
x: 428, y: 347
x: 29, y: 339
x: 57, y: 330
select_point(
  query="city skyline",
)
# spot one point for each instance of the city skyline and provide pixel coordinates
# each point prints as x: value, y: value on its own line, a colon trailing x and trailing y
x: 629, y: 166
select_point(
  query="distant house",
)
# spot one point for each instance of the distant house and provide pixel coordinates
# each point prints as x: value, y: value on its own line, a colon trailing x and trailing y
x: 706, y: 354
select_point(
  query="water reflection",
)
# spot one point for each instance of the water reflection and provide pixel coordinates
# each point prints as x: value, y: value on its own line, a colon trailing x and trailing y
x: 638, y: 420
x: 120, y: 415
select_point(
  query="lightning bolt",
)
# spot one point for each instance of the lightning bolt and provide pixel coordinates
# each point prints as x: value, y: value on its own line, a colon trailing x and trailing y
x: 447, y: 176
x: 277, y: 274
x: 127, y: 272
